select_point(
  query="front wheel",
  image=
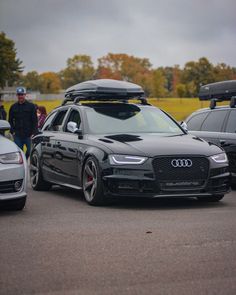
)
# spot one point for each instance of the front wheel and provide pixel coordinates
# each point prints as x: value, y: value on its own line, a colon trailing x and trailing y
x: 214, y: 198
x: 36, y: 177
x: 92, y: 182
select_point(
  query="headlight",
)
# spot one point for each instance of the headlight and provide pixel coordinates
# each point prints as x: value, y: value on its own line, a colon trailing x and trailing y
x: 126, y: 160
x: 220, y: 158
x: 11, y: 158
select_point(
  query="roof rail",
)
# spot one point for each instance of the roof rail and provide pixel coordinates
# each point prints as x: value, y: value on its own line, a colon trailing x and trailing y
x: 233, y: 102
x: 77, y: 99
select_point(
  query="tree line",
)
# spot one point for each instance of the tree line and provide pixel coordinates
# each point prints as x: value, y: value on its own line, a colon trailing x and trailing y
x: 157, y: 82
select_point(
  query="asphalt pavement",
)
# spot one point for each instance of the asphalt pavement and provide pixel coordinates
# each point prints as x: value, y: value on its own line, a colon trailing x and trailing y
x: 60, y: 245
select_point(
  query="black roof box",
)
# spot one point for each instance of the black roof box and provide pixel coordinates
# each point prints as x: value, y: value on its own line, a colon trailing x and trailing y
x: 223, y: 90
x: 104, y: 89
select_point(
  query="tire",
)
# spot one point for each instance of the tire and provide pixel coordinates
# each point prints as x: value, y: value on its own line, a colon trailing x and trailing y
x: 214, y: 198
x: 92, y: 183
x: 16, y: 205
x: 36, y: 178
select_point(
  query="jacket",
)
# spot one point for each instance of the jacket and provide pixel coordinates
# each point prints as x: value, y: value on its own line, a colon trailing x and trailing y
x: 23, y: 119
x: 3, y: 114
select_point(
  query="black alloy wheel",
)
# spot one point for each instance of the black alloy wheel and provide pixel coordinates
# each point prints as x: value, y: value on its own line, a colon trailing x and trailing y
x: 92, y: 183
x: 36, y: 177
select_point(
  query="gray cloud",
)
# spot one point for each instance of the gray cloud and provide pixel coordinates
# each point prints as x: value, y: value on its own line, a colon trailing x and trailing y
x: 168, y: 32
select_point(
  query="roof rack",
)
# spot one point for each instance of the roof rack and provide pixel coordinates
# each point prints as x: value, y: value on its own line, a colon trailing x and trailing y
x: 78, y: 99
x: 105, y: 90
x: 213, y: 102
x: 223, y: 90
x: 232, y: 103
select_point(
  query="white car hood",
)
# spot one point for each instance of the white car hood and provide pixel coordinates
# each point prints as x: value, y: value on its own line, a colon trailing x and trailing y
x: 7, y: 146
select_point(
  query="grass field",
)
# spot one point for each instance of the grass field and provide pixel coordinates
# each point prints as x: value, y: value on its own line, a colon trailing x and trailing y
x: 179, y: 108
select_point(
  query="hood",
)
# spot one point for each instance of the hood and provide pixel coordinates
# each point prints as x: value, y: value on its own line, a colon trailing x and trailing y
x: 7, y: 146
x: 153, y: 145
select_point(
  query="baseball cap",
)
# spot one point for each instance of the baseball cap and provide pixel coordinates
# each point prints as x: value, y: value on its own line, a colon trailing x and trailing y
x: 20, y: 90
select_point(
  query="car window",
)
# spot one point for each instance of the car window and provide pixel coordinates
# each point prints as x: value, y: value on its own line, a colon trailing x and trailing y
x: 48, y: 121
x: 214, y: 121
x: 195, y: 122
x: 57, y: 122
x: 74, y: 117
x: 231, y: 125
x: 129, y: 119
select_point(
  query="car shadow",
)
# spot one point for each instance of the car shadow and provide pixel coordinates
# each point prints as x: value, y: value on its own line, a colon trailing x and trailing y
x: 140, y: 203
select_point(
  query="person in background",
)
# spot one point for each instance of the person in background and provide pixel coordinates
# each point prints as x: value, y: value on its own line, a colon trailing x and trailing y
x: 42, y: 114
x: 3, y: 113
x: 23, y: 120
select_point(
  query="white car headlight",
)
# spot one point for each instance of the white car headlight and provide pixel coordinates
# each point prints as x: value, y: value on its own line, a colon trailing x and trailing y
x: 126, y: 160
x: 220, y: 158
x: 11, y: 158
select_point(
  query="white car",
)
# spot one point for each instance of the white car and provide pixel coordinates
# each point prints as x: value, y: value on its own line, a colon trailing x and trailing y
x: 13, y: 172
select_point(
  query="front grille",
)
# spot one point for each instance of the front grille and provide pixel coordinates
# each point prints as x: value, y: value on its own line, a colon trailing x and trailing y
x: 171, y: 178
x: 8, y: 186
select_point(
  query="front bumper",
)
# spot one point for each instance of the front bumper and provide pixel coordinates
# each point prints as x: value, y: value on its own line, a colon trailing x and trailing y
x: 145, y: 183
x: 10, y: 174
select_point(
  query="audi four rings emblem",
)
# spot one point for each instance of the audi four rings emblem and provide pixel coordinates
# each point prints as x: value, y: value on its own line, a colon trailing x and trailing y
x: 181, y: 163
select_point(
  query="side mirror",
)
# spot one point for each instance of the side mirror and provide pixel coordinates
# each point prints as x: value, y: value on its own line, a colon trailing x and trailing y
x: 73, y: 128
x: 4, y: 125
x: 184, y: 126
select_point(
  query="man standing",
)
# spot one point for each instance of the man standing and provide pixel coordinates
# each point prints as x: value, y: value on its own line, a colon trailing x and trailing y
x: 23, y: 120
x: 3, y: 114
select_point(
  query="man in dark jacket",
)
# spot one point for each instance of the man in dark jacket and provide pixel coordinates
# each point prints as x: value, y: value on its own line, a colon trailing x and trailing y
x: 3, y: 114
x: 23, y: 120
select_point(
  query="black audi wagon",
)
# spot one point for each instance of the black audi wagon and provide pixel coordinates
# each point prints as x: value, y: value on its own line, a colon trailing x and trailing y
x: 217, y: 124
x: 108, y: 141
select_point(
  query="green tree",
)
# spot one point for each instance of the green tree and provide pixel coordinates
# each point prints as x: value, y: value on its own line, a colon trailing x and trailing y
x: 10, y: 66
x: 198, y: 73
x: 79, y: 68
x: 181, y: 90
x: 224, y: 72
x: 32, y: 81
x: 158, y: 84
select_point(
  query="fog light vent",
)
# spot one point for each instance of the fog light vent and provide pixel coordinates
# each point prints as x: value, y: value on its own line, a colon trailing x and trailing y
x: 18, y: 185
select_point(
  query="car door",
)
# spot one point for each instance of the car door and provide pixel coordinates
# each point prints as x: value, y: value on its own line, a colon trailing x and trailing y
x: 51, y: 158
x: 212, y: 126
x: 228, y: 140
x: 67, y: 149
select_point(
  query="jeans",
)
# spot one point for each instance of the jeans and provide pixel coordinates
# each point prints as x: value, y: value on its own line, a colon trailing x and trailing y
x: 21, y: 141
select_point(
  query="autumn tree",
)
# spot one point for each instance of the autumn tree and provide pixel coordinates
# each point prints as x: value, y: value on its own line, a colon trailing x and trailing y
x: 10, y: 65
x: 79, y: 68
x: 126, y: 67
x: 49, y: 82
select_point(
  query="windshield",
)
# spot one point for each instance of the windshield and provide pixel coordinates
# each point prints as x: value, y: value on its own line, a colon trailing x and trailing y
x: 129, y: 119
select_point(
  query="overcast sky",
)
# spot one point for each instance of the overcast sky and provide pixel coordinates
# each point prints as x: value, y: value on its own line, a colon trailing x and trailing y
x: 168, y: 32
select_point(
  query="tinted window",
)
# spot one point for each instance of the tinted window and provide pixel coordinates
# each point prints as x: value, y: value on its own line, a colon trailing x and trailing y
x: 196, y: 121
x: 57, y: 123
x: 74, y: 117
x: 214, y: 121
x: 48, y: 121
x: 231, y: 125
x: 130, y: 119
